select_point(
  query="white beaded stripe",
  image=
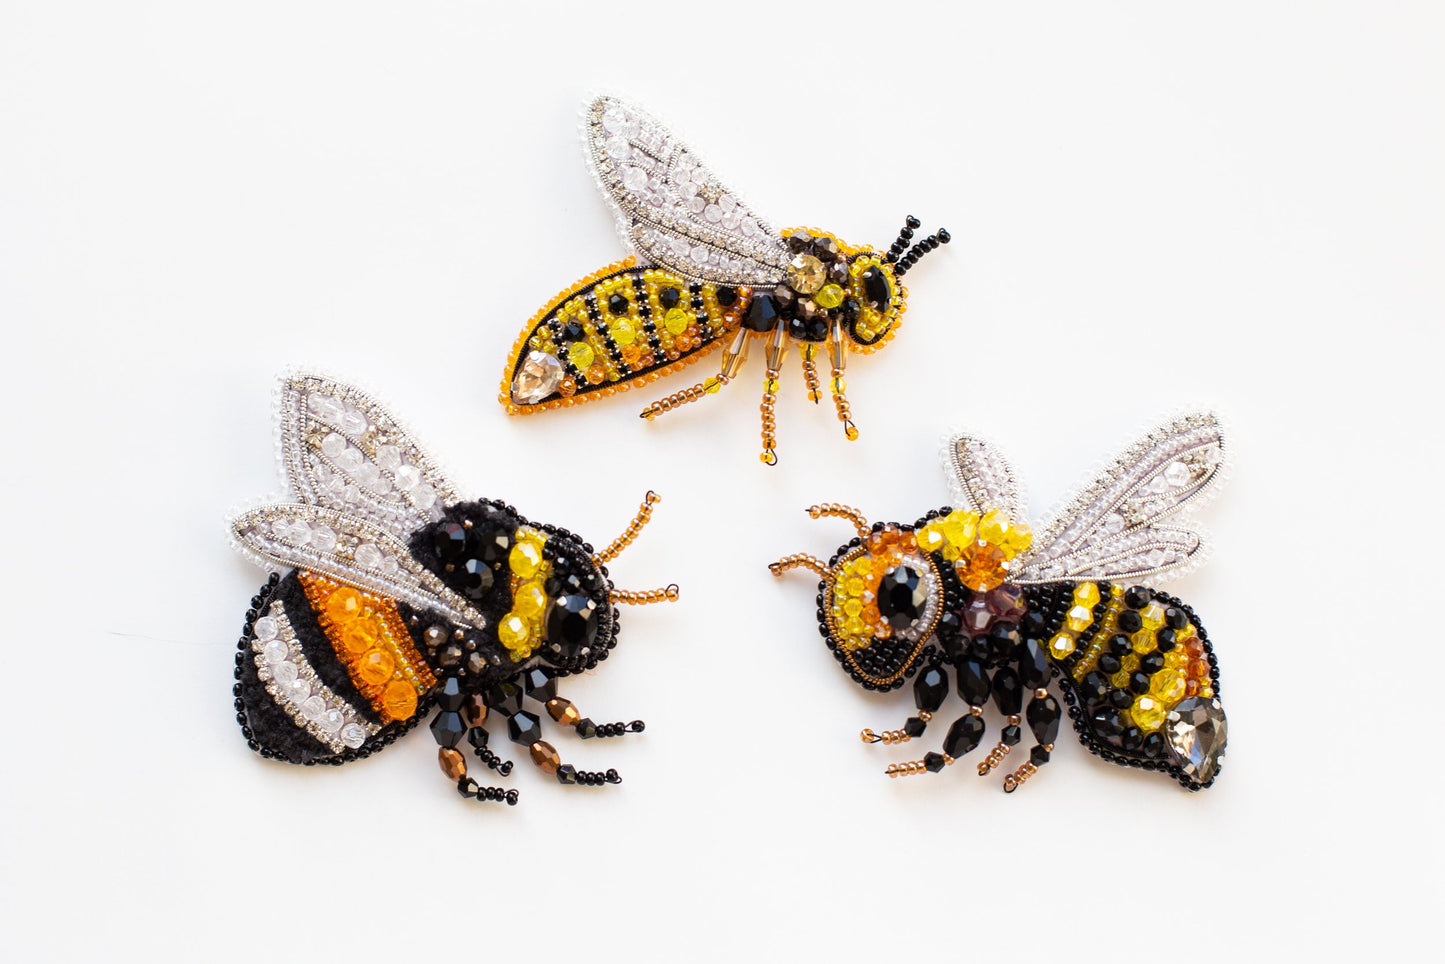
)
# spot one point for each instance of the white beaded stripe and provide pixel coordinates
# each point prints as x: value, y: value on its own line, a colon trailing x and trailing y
x: 298, y: 691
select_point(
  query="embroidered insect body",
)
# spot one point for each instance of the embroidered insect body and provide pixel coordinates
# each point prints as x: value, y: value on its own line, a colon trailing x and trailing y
x: 969, y: 587
x: 707, y: 272
x: 404, y: 596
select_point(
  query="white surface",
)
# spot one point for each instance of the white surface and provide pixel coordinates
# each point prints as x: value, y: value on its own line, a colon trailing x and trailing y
x: 1241, y: 206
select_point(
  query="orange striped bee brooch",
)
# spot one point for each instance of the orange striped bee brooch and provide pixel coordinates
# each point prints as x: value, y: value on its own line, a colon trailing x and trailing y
x: 969, y: 588
x: 403, y: 598
x: 705, y: 272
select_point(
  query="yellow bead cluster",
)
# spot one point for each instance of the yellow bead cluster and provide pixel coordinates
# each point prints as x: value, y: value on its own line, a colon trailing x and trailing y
x: 1078, y: 620
x: 1185, y: 672
x: 978, y: 546
x: 855, y: 587
x: 521, y: 629
x: 369, y: 638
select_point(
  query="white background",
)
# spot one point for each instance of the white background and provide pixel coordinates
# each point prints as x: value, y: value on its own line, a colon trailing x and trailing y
x: 1241, y: 206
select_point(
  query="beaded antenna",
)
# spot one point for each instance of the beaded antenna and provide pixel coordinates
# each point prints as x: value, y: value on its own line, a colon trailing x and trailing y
x: 404, y: 596
x: 969, y: 586
x: 705, y: 272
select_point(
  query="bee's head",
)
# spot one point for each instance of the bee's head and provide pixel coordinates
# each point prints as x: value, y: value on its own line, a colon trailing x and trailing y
x: 831, y: 282
x: 539, y: 587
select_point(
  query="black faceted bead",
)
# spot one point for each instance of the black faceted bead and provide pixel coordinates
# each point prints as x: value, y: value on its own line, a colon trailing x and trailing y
x: 1008, y: 694
x: 964, y: 735
x: 669, y: 298
x: 491, y: 543
x: 468, y: 787
x: 1033, y: 663
x: 1094, y: 687
x: 1003, y: 640
x: 1107, y: 726
x: 762, y: 313
x: 571, y: 624
x: 973, y: 684
x: 931, y: 688
x: 1109, y: 663
x: 1151, y: 663
x: 1121, y: 645
x: 811, y: 326
x: 914, y: 727
x: 1033, y: 624
x: 540, y: 684
x: 933, y: 762
x: 567, y: 773
x: 617, y: 304
x: 586, y: 728
x: 450, y: 541
x: 1139, y: 683
x: 875, y: 289
x: 1130, y: 621
x: 449, y: 694
x: 1137, y: 597
x: 1165, y: 640
x: 726, y: 296
x: 1038, y: 756
x: 1011, y: 734
x: 850, y: 309
x: 524, y: 729
x: 448, y: 728
x: 477, y: 736
x: 1121, y: 699
x: 825, y: 249
x: 902, y: 595
x: 1132, y: 738
x: 1044, y: 716
x: 1175, y: 618
x: 475, y: 578
x: 505, y: 697
x: 799, y: 241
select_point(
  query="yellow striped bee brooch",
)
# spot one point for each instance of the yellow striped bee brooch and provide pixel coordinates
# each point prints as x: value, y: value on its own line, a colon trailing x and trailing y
x: 705, y: 272
x: 968, y: 586
x: 402, y: 597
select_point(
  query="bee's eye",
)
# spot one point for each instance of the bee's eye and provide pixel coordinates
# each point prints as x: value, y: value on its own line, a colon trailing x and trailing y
x: 883, y: 603
x: 874, y: 302
x: 902, y: 596
x: 571, y: 627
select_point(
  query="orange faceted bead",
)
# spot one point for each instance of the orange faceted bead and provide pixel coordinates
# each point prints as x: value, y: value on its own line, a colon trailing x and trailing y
x: 398, y: 700
x: 375, y: 667
x: 343, y: 604
x: 980, y: 568
x: 361, y: 634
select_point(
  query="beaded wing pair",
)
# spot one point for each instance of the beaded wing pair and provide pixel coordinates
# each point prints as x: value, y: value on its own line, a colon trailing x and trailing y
x: 705, y: 272
x: 969, y: 587
x: 404, y: 596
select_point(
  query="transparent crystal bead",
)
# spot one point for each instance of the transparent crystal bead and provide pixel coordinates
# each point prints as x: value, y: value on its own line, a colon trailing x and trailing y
x: 276, y: 651
x: 536, y: 378
x: 284, y: 672
x: 312, y: 707
x: 331, y: 720
x: 367, y: 556
x: 1197, y: 731
x: 266, y: 628
x: 353, y: 735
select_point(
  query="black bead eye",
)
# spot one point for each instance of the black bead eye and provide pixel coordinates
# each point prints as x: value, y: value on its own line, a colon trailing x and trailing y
x: 571, y: 626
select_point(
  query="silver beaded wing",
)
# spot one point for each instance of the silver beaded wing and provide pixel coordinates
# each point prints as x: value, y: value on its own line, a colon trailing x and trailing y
x: 1115, y: 528
x: 671, y: 210
x: 362, y: 487
x: 980, y: 477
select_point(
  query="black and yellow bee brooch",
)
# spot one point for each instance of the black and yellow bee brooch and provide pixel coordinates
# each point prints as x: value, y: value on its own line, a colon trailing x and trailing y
x: 706, y: 272
x: 970, y: 587
x: 404, y: 597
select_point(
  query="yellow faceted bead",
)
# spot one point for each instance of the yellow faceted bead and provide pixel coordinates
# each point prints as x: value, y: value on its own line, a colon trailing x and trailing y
x: 1087, y: 594
x: 1120, y: 680
x: 622, y: 331
x: 929, y: 539
x: 951, y: 552
x: 1206, y: 691
x: 711, y: 385
x: 580, y: 355
x: 1079, y: 618
x: 513, y: 631
x: 1144, y: 642
x: 676, y: 320
x: 959, y: 528
x: 1129, y: 663
x: 853, y: 607
x: 1148, y: 713
x: 839, y: 385
x: 993, y: 526
x: 529, y: 600
x: 1019, y: 537
x: 1168, y: 687
x: 1062, y: 645
x: 525, y: 559
x: 1152, y: 615
x: 854, y: 587
x: 829, y: 296
x: 855, y: 626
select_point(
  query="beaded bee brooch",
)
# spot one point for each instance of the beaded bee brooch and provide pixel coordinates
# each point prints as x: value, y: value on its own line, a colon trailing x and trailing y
x: 969, y: 586
x: 404, y: 596
x: 706, y: 272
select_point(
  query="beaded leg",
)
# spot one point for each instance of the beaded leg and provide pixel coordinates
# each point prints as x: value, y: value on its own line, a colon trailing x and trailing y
x: 548, y: 760
x: 461, y: 714
x: 1043, y: 714
x: 777, y: 348
x: 838, y: 352
x: 810, y: 372
x: 733, y: 357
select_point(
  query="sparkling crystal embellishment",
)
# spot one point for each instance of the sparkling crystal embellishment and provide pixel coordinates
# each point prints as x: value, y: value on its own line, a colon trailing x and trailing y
x: 806, y: 274
x: 1197, y: 730
x: 538, y: 377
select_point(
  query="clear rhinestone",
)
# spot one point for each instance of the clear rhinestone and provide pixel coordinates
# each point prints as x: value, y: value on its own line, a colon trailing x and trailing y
x: 266, y: 628
x: 353, y: 735
x: 1197, y: 730
x: 538, y: 377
